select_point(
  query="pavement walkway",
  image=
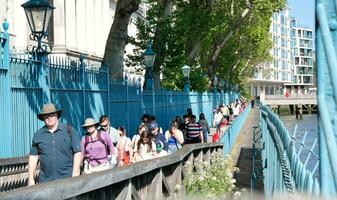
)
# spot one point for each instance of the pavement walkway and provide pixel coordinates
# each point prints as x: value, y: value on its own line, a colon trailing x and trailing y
x: 242, y: 156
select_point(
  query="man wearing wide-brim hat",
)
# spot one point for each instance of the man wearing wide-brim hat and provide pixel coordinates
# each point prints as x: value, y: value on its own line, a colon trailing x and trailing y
x: 56, y: 145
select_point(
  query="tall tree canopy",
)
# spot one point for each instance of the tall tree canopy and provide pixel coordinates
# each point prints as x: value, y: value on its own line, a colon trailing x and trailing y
x: 226, y: 38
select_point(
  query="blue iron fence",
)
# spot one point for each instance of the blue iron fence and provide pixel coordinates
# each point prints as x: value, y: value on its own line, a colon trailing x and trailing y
x: 327, y: 93
x: 81, y: 90
x: 282, y: 168
x: 229, y: 138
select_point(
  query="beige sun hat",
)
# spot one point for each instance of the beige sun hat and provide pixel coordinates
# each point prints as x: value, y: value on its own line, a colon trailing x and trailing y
x: 90, y: 122
x: 48, y: 109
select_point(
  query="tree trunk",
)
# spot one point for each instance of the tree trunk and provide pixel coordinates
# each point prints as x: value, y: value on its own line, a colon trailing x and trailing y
x: 117, y: 39
x: 159, y: 41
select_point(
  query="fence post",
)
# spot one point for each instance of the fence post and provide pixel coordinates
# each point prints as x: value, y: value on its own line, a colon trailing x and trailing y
x: 82, y: 68
x: 44, y: 76
x: 6, y: 116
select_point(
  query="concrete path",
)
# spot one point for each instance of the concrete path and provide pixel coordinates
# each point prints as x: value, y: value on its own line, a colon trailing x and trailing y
x: 242, y: 156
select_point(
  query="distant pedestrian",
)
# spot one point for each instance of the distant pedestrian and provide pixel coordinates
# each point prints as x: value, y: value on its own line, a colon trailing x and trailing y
x: 56, y: 145
x: 96, y: 147
x: 156, y: 136
x: 114, y: 135
x: 252, y: 102
x: 205, y: 127
x: 194, y: 132
x: 174, y: 137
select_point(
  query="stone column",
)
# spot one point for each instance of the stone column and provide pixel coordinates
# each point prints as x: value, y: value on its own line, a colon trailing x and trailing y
x: 80, y: 26
x: 71, y: 32
x: 59, y: 27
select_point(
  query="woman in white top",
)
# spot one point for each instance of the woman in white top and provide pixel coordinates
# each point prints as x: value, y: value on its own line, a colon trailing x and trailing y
x: 142, y: 127
x: 174, y: 137
x: 145, y: 148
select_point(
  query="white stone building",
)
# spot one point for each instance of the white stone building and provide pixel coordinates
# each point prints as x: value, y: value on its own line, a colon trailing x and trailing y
x: 270, y: 77
x: 77, y: 26
x: 302, y: 46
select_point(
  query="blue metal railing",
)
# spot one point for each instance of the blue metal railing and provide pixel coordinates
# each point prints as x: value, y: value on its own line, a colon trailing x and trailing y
x: 283, y: 169
x: 327, y: 93
x: 80, y: 90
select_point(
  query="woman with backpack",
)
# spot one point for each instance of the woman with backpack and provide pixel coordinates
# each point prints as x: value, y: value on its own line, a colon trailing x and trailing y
x: 96, y: 146
x: 123, y: 147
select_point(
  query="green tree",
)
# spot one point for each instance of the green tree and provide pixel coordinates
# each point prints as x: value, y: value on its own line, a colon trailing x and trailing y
x: 226, y: 38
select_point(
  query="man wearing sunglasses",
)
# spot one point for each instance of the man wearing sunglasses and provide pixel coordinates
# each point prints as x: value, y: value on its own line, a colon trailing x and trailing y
x: 57, y: 146
x: 114, y: 134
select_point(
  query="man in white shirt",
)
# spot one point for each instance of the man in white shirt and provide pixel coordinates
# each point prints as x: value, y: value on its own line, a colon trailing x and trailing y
x: 114, y: 134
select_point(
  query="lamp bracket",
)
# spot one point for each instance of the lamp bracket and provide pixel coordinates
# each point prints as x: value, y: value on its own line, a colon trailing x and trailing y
x: 40, y: 48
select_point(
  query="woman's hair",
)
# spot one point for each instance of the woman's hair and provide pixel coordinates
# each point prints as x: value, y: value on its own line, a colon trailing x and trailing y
x: 103, y: 118
x: 144, y: 139
x: 201, y: 116
x: 177, y: 119
x: 174, y: 124
x: 122, y: 129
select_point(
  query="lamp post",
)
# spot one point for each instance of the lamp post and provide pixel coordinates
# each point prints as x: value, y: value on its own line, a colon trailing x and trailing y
x: 215, y: 83
x: 149, y: 57
x: 186, y: 72
x: 38, y: 13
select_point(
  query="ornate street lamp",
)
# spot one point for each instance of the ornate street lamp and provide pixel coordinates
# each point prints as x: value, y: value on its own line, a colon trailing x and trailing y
x: 149, y: 57
x: 38, y: 13
x: 186, y: 72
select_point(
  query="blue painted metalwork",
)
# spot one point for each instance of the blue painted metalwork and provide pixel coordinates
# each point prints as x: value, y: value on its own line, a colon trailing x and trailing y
x: 327, y: 93
x: 5, y: 98
x: 283, y: 169
x: 81, y: 90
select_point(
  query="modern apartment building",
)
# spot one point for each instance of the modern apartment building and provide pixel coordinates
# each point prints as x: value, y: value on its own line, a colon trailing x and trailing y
x: 302, y: 50
x: 270, y: 77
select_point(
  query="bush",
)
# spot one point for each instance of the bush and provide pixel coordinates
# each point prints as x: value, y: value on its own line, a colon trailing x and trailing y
x: 210, y: 179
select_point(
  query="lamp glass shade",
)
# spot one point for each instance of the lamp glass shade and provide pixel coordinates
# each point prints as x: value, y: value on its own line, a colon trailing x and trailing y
x: 149, y: 60
x: 38, y: 13
x: 186, y: 71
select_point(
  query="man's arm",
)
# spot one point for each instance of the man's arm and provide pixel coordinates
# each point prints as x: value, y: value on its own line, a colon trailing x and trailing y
x: 32, y: 164
x: 77, y: 163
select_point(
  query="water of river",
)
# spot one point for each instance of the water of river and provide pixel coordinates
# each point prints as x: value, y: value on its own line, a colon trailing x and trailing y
x: 309, y: 124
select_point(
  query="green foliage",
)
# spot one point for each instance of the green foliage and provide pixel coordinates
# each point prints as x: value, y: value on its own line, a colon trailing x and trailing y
x: 215, y: 179
x: 192, y: 32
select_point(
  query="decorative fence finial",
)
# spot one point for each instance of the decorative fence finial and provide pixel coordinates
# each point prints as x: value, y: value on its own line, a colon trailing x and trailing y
x: 5, y: 25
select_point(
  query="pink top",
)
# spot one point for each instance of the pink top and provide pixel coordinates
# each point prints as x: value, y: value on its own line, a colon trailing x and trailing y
x: 95, y: 152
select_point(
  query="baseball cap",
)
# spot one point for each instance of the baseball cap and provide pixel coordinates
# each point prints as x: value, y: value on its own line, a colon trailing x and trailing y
x: 153, y: 125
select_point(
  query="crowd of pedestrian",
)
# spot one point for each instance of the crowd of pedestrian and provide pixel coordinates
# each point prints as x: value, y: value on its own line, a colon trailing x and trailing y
x: 223, y: 114
x: 62, y: 153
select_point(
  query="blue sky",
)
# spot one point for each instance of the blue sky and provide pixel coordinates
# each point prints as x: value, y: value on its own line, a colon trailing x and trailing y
x: 303, y: 11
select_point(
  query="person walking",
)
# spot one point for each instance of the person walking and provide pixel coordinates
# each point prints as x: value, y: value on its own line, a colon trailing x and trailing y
x: 194, y: 132
x: 56, y: 145
x: 96, y: 146
x: 205, y: 127
x: 174, y: 137
x: 157, y: 137
x: 145, y: 147
x: 113, y: 133
x: 123, y: 146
